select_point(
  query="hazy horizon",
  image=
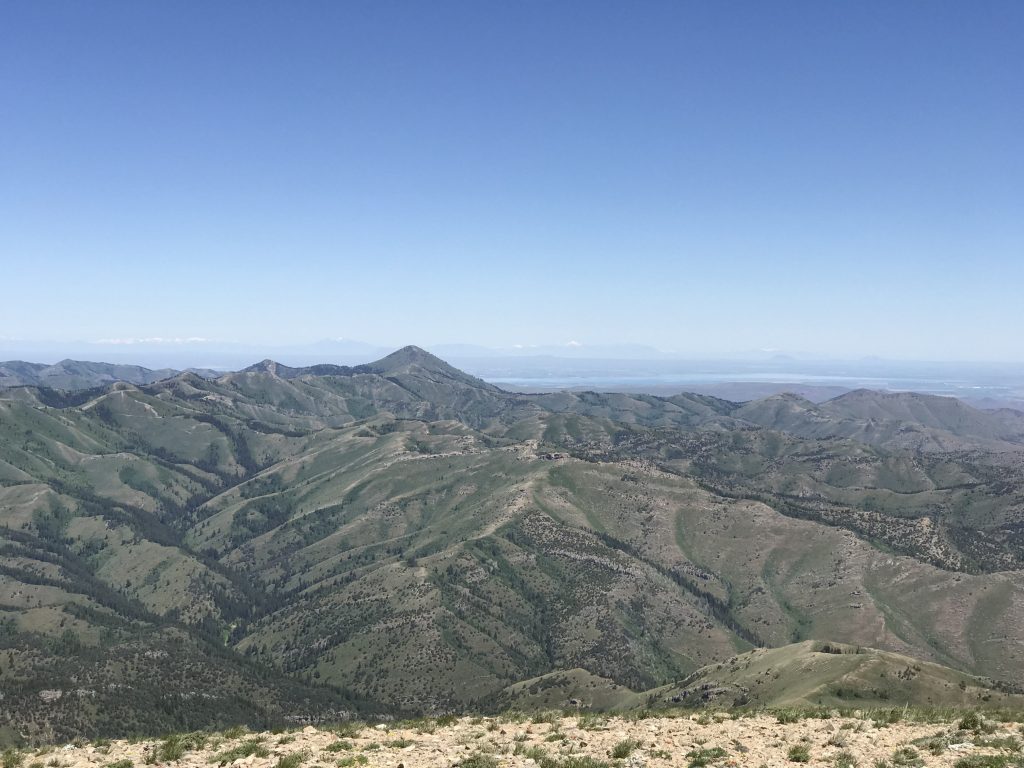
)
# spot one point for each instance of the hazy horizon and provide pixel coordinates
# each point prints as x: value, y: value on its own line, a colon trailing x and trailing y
x: 176, y: 353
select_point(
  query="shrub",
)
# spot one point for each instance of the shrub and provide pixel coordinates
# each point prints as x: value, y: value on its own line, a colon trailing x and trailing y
x: 799, y: 753
x: 844, y: 760
x: 1006, y: 743
x: 624, y: 748
x: 704, y: 756
x: 578, y: 761
x: 535, y: 753
x: 970, y: 722
x: 987, y: 761
x: 248, y: 748
x: 479, y: 760
x: 591, y: 722
x: 293, y: 760
x: 887, y: 717
x: 339, y: 746
x: 11, y: 758
x: 348, y: 730
x: 907, y: 757
x: 171, y: 750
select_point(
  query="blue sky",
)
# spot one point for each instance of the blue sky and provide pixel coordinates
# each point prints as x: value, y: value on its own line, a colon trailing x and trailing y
x: 842, y: 178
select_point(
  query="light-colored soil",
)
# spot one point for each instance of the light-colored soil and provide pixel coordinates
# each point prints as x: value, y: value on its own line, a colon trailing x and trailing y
x: 660, y: 742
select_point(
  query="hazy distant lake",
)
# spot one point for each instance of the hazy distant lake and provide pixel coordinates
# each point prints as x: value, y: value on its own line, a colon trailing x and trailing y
x: 989, y: 384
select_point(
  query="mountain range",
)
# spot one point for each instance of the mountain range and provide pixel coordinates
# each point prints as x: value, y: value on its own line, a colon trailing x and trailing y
x: 403, y: 537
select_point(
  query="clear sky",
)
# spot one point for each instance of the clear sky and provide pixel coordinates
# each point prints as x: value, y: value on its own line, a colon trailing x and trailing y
x: 708, y: 177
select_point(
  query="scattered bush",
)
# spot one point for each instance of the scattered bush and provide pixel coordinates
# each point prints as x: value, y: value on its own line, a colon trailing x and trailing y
x: 591, y: 722
x: 970, y: 722
x: 799, y: 753
x: 293, y: 760
x: 578, y: 761
x: 624, y: 749
x: 248, y: 748
x: 535, y: 752
x: 988, y: 761
x: 704, y: 756
x: 907, y: 757
x: 348, y: 730
x: 171, y: 750
x: 479, y: 760
x: 1006, y: 743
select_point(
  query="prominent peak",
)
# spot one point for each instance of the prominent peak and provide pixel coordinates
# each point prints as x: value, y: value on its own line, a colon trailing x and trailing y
x: 264, y: 366
x: 411, y: 356
x: 417, y: 361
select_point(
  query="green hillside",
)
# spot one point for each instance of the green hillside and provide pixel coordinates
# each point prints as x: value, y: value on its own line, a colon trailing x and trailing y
x: 802, y: 675
x: 404, y: 536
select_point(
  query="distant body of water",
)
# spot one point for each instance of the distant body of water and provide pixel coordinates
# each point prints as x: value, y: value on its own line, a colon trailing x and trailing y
x: 991, y: 385
x: 698, y: 379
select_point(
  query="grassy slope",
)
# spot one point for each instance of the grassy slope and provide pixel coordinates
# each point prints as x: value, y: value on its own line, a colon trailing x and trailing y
x: 427, y: 541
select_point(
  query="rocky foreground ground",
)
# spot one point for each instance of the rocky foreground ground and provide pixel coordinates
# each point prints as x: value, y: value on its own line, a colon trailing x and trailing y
x: 893, y: 739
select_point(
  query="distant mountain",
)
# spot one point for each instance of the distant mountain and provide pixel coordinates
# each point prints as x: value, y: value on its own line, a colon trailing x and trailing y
x: 402, y: 536
x: 900, y: 419
x: 412, y: 363
x: 76, y: 374
x: 285, y: 372
x: 568, y: 350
